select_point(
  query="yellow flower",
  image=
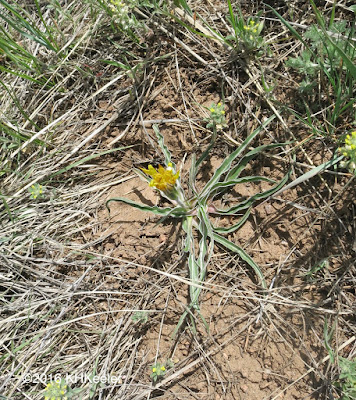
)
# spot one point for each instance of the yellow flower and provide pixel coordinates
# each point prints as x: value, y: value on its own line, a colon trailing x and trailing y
x: 212, y: 110
x: 163, y: 368
x: 56, y: 391
x: 163, y: 179
x: 154, y: 369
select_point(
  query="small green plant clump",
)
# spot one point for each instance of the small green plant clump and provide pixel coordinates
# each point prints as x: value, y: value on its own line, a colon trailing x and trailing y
x: 122, y: 12
x: 158, y: 370
x: 140, y: 316
x: 349, y: 152
x: 322, y: 54
x: 347, y: 378
x: 36, y: 191
x: 247, y: 32
x: 59, y: 390
x: 251, y: 34
x: 327, y: 67
x: 216, y: 117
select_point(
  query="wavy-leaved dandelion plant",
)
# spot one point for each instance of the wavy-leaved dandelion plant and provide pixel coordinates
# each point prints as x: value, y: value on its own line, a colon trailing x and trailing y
x: 194, y: 210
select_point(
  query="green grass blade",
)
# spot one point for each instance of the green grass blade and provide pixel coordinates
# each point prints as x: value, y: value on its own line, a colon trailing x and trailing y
x: 347, y: 61
x: 39, y: 13
x: 183, y: 4
x: 233, y: 247
x: 19, y: 23
x: 318, y: 15
x: 289, y: 26
x: 18, y: 104
x: 226, y: 164
x: 20, y: 74
x: 7, y: 208
x: 233, y: 19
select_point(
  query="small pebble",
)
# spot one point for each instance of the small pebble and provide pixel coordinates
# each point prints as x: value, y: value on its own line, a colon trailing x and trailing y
x: 244, y: 388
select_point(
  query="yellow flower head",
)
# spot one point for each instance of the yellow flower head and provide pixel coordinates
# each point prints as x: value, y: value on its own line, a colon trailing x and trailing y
x: 163, y: 368
x: 154, y: 369
x: 163, y: 179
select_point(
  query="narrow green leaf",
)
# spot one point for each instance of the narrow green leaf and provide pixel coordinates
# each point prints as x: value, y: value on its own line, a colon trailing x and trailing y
x: 233, y: 247
x: 259, y: 196
x: 233, y: 19
x: 220, y: 186
x: 235, y: 227
x: 347, y: 61
x: 184, y: 5
x: 226, y: 164
x: 206, y: 232
x: 154, y: 209
x: 318, y: 15
x: 327, y: 337
x: 308, y: 175
x: 235, y: 171
x: 289, y: 26
x: 19, y: 23
x: 193, y: 173
x: 7, y: 208
x: 166, y: 152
